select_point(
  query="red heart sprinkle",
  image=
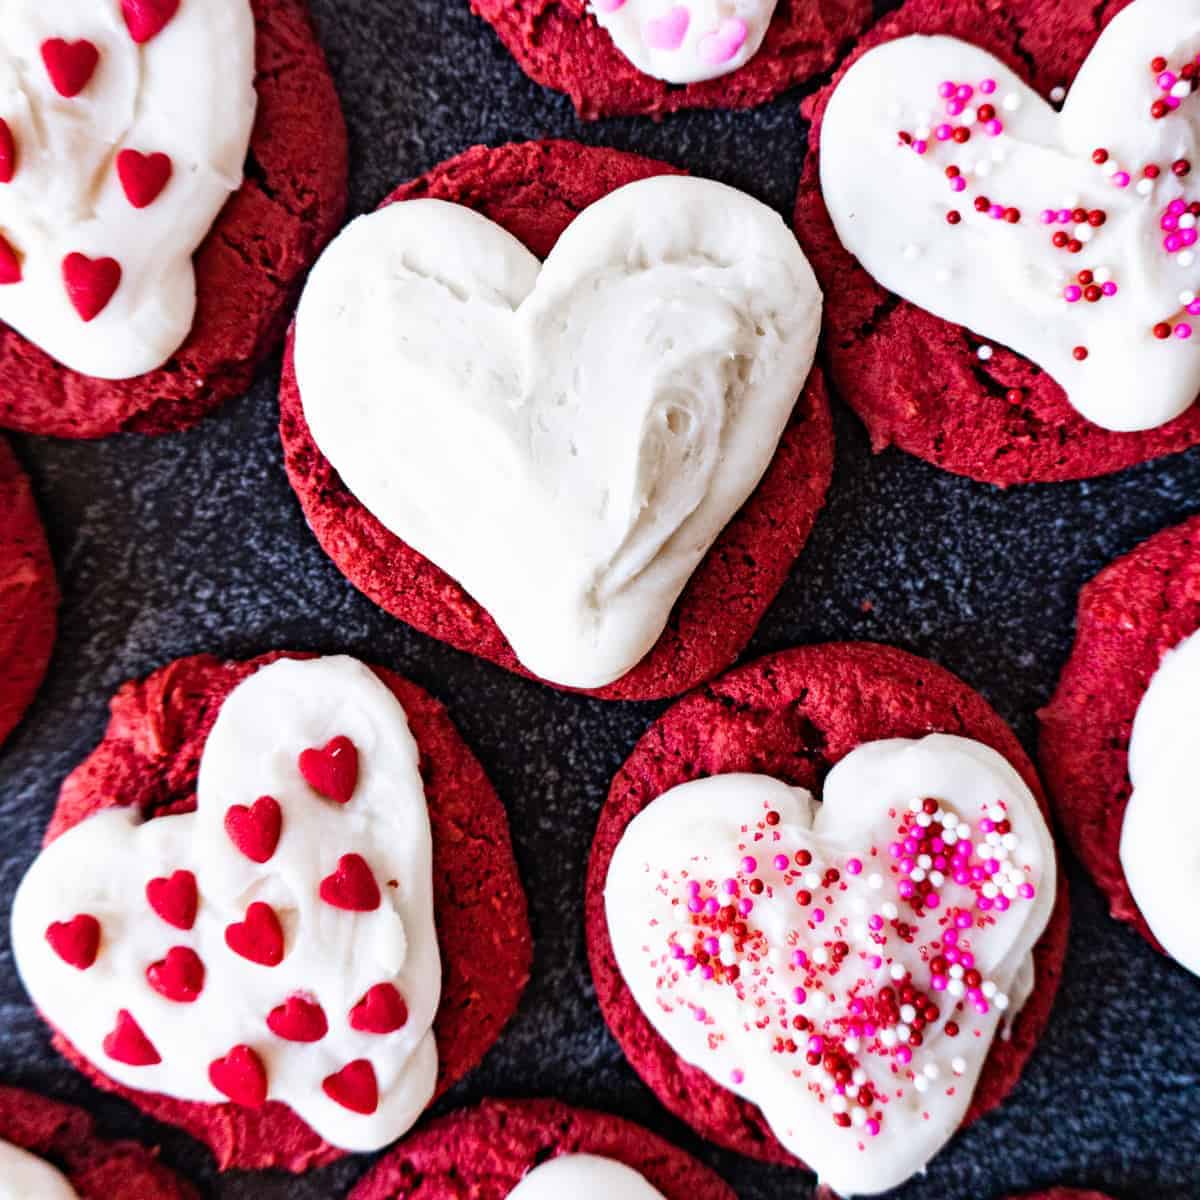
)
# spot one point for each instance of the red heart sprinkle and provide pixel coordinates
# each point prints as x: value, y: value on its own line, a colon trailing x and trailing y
x: 241, y: 1076
x: 129, y: 1045
x: 351, y: 886
x: 259, y: 937
x: 70, y: 65
x: 179, y: 976
x: 90, y: 283
x: 143, y: 176
x: 354, y: 1087
x: 381, y: 1010
x: 174, y: 899
x: 255, y: 830
x: 77, y: 941
x: 298, y: 1019
x: 10, y: 263
x: 145, y: 19
x: 332, y: 771
x: 8, y: 153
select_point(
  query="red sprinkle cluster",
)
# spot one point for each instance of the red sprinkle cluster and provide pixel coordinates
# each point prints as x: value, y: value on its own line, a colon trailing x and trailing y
x: 332, y: 772
x: 91, y: 283
x: 837, y: 995
x: 1175, y: 85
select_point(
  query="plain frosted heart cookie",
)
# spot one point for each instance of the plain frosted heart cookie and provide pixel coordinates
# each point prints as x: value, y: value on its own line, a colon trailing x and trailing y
x: 272, y: 958
x: 129, y: 297
x: 538, y: 1150
x: 963, y: 946
x: 970, y: 322
x: 51, y: 1151
x: 617, y: 57
x: 1118, y: 746
x: 28, y: 594
x: 569, y: 493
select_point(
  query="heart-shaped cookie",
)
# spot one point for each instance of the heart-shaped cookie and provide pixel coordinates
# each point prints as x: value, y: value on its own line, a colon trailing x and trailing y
x: 566, y: 440
x: 1118, y: 746
x: 686, y: 41
x: 844, y: 966
x: 123, y: 131
x: 1070, y: 238
x: 181, y: 956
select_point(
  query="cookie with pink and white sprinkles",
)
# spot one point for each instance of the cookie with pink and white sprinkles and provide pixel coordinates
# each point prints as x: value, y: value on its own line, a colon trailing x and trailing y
x: 1019, y: 302
x: 835, y: 975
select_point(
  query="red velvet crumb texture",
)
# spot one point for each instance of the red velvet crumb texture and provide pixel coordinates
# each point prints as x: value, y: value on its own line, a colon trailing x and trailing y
x: 559, y: 44
x: 1129, y: 616
x: 793, y: 716
x: 28, y: 594
x: 66, y: 1138
x: 149, y: 759
x: 534, y: 190
x: 485, y: 1152
x: 917, y: 381
x: 248, y: 270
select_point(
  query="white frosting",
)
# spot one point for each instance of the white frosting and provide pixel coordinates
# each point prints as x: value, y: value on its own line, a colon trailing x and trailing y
x: 583, y: 1177
x: 24, y: 1176
x: 1008, y: 282
x: 188, y: 93
x: 1160, y: 837
x: 101, y: 867
x: 685, y: 41
x: 701, y: 832
x: 566, y: 440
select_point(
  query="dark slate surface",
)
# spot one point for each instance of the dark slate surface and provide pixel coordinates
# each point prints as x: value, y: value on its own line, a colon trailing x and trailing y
x: 194, y: 543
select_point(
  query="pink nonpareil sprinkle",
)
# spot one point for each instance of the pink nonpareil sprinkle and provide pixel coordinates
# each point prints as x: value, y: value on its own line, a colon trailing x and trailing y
x: 749, y: 865
x: 854, y: 867
x: 745, y: 906
x: 737, y: 1077
x: 904, y: 1054
x: 780, y: 862
x: 987, y: 87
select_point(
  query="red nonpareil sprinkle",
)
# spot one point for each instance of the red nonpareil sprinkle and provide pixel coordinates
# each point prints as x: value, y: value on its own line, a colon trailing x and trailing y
x: 8, y: 153
x: 1162, y: 330
x: 1181, y: 167
x: 1080, y: 353
x: 1100, y: 156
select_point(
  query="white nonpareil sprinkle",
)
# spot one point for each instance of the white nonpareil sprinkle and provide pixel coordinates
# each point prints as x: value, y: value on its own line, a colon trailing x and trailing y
x: 1145, y: 187
x: 875, y: 882
x: 921, y: 1083
x: 1011, y: 102
x: 898, y: 972
x: 1058, y: 94
x: 985, y: 352
x: 958, y: 1065
x: 1187, y: 258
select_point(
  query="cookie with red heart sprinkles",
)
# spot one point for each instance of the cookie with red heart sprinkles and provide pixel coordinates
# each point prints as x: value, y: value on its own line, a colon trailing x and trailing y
x: 1080, y: 362
x: 492, y: 1149
x: 52, y: 1151
x: 775, y: 956
x: 302, y: 980
x: 28, y: 597
x: 1117, y: 740
x: 624, y: 57
x: 564, y: 563
x: 207, y: 152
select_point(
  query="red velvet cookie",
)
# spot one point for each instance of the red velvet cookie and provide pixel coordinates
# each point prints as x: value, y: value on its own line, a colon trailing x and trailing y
x: 558, y: 44
x: 28, y: 596
x: 248, y: 270
x: 793, y: 716
x: 489, y: 1149
x: 1130, y: 615
x: 66, y: 1138
x: 915, y: 380
x: 534, y: 190
x: 149, y: 758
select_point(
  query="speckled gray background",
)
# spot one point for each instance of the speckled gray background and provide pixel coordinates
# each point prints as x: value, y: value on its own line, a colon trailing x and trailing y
x: 176, y: 545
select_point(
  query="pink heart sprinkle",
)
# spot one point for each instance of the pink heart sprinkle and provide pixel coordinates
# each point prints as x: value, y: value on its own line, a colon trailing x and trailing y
x: 724, y: 41
x: 667, y: 32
